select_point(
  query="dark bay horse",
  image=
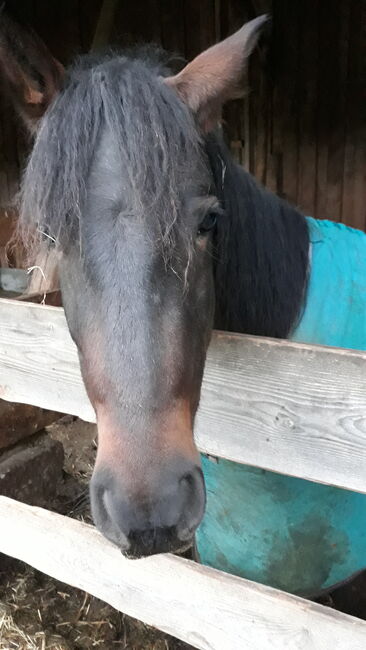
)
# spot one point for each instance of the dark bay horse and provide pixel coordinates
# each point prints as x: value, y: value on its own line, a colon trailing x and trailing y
x: 161, y: 237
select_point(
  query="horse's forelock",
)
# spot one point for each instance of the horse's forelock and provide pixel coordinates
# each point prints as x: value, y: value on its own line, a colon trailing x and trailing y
x: 158, y: 145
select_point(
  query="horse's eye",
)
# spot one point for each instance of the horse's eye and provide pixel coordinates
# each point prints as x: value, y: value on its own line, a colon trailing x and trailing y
x: 208, y: 223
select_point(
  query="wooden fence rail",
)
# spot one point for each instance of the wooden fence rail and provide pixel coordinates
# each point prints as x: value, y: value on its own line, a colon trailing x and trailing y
x: 295, y: 409
x: 202, y: 606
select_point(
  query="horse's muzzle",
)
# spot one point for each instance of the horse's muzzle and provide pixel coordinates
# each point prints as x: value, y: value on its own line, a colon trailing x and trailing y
x: 158, y: 523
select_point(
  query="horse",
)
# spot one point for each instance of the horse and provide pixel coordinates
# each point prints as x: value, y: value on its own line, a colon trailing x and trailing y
x: 161, y: 237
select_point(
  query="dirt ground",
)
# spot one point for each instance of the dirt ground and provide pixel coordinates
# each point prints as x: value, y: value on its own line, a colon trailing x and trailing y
x: 40, y: 613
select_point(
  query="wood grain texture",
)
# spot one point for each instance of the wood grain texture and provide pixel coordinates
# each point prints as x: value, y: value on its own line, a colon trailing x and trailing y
x: 291, y: 408
x: 204, y: 607
x: 19, y: 421
x: 38, y: 360
x: 296, y: 409
x: 44, y: 272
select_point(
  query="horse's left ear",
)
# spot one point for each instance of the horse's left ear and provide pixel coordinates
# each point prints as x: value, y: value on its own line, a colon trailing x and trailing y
x: 30, y: 74
x: 216, y: 75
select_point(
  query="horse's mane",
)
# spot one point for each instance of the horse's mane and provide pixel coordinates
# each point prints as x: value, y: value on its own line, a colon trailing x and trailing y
x: 126, y: 93
x: 262, y: 247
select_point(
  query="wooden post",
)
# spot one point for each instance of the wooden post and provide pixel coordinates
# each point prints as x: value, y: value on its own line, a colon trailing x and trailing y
x: 104, y: 26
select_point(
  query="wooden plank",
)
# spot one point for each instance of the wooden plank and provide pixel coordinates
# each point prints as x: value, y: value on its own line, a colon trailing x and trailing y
x: 257, y: 127
x: 204, y: 607
x: 88, y: 16
x: 136, y: 23
x: 354, y: 178
x: 337, y: 74
x: 53, y: 298
x: 324, y: 106
x: 18, y: 421
x: 359, y: 123
x: 172, y: 26
x: 291, y: 408
x: 104, y: 24
x: 38, y: 360
x: 308, y: 45
x: 44, y: 272
x: 7, y: 225
x: 15, y: 280
x: 286, y: 72
x: 192, y: 33
x: 4, y: 189
x: 58, y: 24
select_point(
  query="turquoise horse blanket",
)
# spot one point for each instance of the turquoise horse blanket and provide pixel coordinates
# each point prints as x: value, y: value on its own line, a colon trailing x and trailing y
x: 335, y: 308
x: 282, y: 531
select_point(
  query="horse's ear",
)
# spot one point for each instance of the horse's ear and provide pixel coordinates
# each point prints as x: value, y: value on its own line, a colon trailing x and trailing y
x: 30, y: 74
x: 216, y: 75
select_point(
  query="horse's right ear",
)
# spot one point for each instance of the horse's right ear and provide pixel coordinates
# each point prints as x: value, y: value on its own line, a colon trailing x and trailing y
x: 216, y: 75
x: 29, y: 73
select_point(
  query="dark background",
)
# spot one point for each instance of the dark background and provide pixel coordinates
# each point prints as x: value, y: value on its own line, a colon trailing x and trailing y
x: 301, y: 130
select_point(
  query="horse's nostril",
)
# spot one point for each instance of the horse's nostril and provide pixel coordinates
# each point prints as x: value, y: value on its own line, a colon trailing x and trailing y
x: 193, y: 487
x: 104, y: 517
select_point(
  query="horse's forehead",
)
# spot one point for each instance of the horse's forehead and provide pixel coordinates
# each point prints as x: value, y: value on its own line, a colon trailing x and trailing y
x: 111, y: 180
x: 106, y: 170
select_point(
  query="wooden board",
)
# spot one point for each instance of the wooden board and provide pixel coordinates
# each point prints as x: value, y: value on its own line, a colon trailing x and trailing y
x: 18, y: 421
x: 44, y: 272
x: 202, y: 606
x: 38, y: 360
x: 104, y: 25
x: 295, y: 409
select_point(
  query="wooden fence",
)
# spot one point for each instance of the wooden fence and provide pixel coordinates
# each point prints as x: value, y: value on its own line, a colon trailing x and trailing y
x: 286, y: 407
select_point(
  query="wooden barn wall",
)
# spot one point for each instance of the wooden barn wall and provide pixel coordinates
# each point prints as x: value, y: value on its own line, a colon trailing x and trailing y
x: 315, y: 137
x: 67, y: 28
x: 301, y: 130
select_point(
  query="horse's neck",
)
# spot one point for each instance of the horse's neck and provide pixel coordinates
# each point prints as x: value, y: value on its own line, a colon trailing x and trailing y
x: 262, y: 255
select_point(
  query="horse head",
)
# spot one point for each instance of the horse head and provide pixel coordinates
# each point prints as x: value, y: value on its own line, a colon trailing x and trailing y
x: 119, y: 181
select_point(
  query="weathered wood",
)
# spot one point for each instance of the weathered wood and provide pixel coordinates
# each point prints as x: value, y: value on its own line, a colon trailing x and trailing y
x: 354, y: 182
x: 295, y: 409
x: 337, y: 79
x: 13, y: 280
x: 11, y: 251
x: 104, y: 25
x: 18, y: 421
x: 32, y: 470
x: 202, y: 606
x: 308, y: 47
x: 53, y: 298
x: 38, y: 360
x: 44, y: 272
